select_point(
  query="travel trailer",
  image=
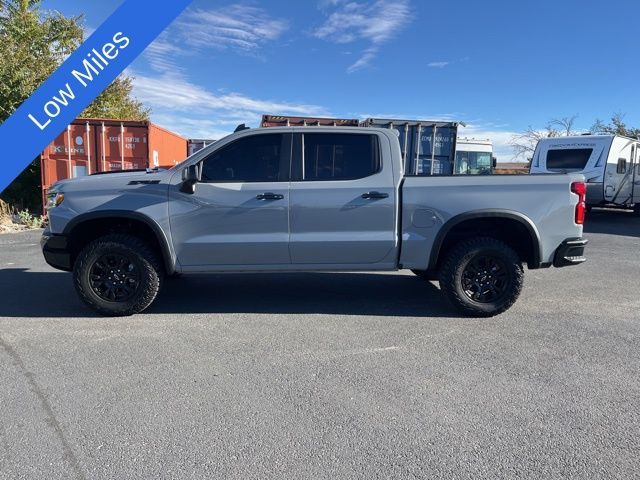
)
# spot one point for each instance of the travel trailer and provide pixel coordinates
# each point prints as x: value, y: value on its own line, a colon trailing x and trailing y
x: 474, y: 157
x: 610, y: 163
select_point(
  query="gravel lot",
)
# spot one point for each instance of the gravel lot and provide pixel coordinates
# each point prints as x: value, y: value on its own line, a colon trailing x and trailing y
x: 324, y: 375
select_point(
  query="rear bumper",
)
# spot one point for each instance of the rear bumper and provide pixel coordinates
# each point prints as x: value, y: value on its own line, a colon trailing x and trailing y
x: 55, y: 249
x: 570, y: 252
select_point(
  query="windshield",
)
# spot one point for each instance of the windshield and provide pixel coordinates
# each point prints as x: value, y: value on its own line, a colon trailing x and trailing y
x: 570, y: 159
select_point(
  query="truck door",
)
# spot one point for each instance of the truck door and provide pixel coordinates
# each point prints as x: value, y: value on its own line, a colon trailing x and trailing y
x: 239, y: 213
x: 343, y: 200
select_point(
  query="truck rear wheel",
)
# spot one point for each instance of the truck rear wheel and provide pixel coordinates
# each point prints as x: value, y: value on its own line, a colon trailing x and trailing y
x: 117, y: 275
x: 482, y: 277
x: 636, y: 210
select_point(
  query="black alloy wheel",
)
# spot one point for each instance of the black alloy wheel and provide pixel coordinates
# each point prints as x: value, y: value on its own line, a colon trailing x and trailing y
x: 481, y: 276
x: 118, y: 274
x: 114, y: 278
x: 485, y: 279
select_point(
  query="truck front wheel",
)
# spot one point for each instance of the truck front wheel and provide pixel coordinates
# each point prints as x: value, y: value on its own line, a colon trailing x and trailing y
x: 482, y: 277
x: 117, y: 275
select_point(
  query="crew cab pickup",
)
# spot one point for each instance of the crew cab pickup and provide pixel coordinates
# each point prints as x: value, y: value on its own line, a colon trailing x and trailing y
x: 309, y: 199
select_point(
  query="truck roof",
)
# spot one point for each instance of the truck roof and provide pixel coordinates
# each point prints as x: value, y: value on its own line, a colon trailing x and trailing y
x: 575, y: 138
x: 473, y: 141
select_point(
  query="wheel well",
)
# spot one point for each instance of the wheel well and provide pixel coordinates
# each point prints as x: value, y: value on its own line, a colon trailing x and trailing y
x: 87, y: 231
x: 513, y: 232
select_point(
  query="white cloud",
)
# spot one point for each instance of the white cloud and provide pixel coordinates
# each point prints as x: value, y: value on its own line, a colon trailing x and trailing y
x: 87, y: 31
x: 176, y: 92
x: 194, y: 127
x: 438, y: 64
x: 364, y: 61
x: 375, y: 22
x: 162, y: 55
x: 240, y: 27
x: 194, y: 111
x: 500, y: 135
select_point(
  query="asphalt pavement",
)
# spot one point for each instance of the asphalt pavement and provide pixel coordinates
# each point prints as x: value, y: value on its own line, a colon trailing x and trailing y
x: 324, y: 375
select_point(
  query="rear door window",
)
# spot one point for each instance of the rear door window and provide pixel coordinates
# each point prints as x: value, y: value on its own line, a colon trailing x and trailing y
x: 568, y: 159
x: 340, y: 156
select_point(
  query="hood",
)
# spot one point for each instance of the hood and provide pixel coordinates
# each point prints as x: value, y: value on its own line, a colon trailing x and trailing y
x: 119, y: 180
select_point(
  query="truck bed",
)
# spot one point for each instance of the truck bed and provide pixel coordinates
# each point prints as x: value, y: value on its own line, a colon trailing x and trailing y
x: 433, y: 205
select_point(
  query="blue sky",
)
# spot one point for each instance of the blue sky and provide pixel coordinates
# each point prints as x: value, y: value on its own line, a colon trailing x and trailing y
x: 497, y: 65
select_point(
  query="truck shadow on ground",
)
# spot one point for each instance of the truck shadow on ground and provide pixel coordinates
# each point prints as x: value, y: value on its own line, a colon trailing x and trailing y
x: 612, y: 222
x: 51, y: 294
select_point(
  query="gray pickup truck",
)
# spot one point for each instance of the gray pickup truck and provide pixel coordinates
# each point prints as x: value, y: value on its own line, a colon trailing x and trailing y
x: 309, y: 199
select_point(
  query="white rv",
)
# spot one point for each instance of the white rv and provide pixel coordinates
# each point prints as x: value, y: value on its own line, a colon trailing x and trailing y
x: 474, y: 157
x: 610, y: 163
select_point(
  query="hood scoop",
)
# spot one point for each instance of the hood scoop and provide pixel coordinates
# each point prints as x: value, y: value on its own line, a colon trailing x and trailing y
x: 143, y: 182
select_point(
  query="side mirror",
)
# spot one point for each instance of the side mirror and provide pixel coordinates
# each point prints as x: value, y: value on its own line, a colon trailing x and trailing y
x: 190, y: 177
x: 494, y: 162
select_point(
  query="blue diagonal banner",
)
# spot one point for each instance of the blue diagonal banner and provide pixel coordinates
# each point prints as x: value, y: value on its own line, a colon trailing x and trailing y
x: 80, y: 79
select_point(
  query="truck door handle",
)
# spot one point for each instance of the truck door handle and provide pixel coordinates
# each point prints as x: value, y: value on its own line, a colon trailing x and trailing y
x: 372, y: 195
x: 270, y: 196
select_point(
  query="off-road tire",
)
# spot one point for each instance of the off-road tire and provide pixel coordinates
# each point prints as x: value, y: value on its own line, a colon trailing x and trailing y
x: 456, y: 263
x: 145, y: 259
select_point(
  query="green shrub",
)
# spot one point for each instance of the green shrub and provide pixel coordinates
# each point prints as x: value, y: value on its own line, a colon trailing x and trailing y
x: 25, y: 218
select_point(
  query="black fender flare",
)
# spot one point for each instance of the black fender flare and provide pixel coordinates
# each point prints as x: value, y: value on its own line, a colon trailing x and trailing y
x: 490, y: 213
x: 165, y: 246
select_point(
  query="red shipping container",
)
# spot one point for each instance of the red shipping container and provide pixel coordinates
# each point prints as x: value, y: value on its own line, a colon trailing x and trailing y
x: 88, y: 146
x: 166, y: 149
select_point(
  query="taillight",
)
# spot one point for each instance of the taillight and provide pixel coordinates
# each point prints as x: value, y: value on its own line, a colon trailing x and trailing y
x: 580, y: 189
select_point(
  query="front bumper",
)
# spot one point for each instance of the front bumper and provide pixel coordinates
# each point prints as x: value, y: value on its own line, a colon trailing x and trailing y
x: 55, y: 249
x: 570, y: 252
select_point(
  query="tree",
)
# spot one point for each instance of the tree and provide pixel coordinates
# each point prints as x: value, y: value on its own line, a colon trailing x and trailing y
x: 33, y: 43
x: 32, y: 46
x: 117, y: 101
x: 524, y: 144
x: 615, y: 127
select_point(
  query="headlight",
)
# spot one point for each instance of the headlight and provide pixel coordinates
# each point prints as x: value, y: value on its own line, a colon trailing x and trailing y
x: 54, y: 199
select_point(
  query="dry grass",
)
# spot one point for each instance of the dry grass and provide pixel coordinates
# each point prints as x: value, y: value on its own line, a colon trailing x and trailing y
x: 20, y: 221
x: 511, y: 171
x: 7, y: 225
